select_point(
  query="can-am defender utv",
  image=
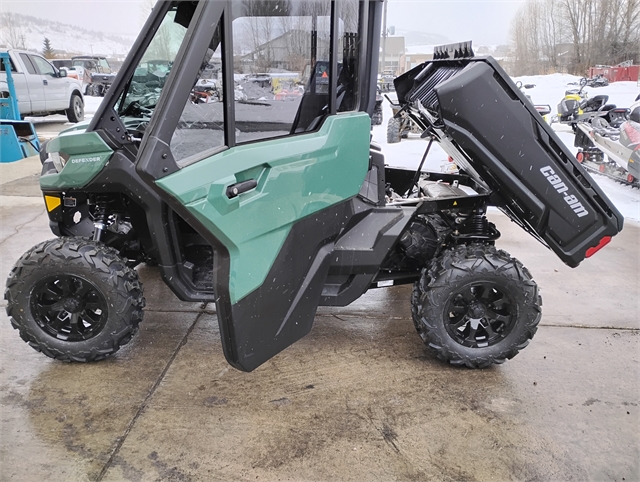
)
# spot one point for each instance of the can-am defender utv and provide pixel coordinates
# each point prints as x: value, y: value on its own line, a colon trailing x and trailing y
x: 270, y: 208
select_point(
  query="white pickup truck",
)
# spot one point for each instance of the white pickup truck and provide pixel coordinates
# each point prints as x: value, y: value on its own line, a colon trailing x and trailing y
x: 42, y: 89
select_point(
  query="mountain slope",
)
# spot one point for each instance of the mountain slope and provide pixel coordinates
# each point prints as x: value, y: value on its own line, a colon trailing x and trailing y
x: 65, y: 39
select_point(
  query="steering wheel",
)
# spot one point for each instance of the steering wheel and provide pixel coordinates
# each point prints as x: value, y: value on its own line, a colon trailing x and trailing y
x: 136, y: 110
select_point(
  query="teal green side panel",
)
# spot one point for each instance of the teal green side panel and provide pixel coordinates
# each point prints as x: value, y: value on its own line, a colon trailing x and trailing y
x: 87, y: 154
x: 297, y: 176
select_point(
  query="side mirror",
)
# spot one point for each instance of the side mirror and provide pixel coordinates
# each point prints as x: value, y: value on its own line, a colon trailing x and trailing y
x: 62, y: 73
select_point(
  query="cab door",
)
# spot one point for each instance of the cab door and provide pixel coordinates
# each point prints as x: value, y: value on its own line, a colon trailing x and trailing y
x: 32, y: 88
x: 270, y: 191
x: 55, y: 87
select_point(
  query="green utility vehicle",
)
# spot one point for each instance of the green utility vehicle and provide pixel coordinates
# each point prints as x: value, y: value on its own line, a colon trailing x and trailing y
x: 272, y: 207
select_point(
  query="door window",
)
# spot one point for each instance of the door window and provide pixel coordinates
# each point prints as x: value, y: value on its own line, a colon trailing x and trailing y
x: 348, y: 51
x: 281, y: 59
x: 43, y: 66
x: 201, y: 125
x: 27, y: 63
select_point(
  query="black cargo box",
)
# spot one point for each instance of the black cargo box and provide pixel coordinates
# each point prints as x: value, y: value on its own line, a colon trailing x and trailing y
x: 533, y: 177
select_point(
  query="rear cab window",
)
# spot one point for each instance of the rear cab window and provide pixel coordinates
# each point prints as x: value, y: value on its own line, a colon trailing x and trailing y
x: 2, y: 67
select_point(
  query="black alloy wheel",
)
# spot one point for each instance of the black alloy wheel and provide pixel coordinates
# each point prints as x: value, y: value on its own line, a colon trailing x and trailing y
x: 74, y: 299
x: 475, y: 306
x: 480, y: 315
x: 69, y: 307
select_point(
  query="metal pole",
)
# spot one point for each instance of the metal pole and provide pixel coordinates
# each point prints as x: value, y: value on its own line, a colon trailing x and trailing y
x: 384, y: 38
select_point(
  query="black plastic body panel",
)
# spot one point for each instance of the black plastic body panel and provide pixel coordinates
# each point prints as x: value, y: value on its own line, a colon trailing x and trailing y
x: 361, y: 250
x: 517, y: 155
x: 262, y: 324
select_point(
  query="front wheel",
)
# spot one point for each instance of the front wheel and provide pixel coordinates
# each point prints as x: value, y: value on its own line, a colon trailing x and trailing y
x: 75, y: 112
x: 476, y: 306
x: 74, y: 299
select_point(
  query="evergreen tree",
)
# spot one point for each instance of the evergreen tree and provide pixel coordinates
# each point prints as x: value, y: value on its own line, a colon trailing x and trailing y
x: 47, y: 50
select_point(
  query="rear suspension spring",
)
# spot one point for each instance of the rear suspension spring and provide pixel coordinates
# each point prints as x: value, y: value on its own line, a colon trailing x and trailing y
x: 101, y: 214
x: 477, y: 228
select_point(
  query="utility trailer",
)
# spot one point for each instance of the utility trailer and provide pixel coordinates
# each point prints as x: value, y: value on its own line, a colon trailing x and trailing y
x: 270, y: 209
x: 98, y: 76
x: 612, y: 150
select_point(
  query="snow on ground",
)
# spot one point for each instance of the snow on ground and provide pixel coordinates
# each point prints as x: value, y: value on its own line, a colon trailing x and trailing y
x: 549, y: 89
x: 91, y: 105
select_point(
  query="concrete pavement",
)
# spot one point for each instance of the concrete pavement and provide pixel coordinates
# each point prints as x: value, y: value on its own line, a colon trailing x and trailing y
x: 358, y: 399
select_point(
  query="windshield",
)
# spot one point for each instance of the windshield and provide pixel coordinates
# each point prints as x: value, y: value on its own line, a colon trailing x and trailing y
x: 143, y: 91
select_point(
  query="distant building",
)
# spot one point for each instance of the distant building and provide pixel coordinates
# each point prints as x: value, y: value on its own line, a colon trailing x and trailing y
x: 287, y: 52
x: 394, y: 49
x: 409, y: 61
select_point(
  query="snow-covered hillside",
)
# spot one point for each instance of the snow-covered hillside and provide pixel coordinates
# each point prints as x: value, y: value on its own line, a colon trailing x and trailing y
x: 549, y: 89
x: 66, y: 39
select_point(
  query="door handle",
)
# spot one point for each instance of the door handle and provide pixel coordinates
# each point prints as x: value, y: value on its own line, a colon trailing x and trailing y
x: 238, y: 188
x: 44, y: 81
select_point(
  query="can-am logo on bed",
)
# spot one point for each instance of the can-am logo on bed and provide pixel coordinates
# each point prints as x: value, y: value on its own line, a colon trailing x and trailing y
x: 562, y: 189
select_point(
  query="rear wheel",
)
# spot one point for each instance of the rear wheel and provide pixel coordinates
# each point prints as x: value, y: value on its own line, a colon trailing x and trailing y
x: 393, y: 131
x: 74, y: 299
x: 476, y: 306
x: 75, y: 112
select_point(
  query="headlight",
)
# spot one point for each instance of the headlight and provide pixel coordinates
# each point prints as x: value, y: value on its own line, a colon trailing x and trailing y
x: 58, y: 160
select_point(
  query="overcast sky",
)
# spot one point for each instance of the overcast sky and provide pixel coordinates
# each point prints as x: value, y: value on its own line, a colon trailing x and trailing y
x: 483, y: 21
x: 486, y: 22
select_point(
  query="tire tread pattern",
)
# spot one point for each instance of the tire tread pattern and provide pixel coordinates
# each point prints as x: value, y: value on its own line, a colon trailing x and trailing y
x: 120, y: 285
x: 393, y: 131
x: 460, y: 265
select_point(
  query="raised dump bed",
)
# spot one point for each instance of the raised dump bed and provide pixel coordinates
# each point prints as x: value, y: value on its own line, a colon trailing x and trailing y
x: 482, y: 120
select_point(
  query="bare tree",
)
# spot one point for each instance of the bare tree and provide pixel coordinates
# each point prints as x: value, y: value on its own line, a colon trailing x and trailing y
x: 551, y: 34
x: 12, y: 32
x: 625, y: 45
x: 599, y: 32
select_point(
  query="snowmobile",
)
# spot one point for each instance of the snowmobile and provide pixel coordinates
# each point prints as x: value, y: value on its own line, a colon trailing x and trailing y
x: 612, y: 150
x: 270, y: 210
x: 597, y: 81
x: 543, y: 109
x: 576, y: 106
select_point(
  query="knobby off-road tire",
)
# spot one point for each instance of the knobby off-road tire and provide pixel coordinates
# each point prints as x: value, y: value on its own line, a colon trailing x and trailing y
x: 476, y: 306
x: 75, y: 112
x: 376, y: 118
x: 74, y: 299
x: 393, y: 131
